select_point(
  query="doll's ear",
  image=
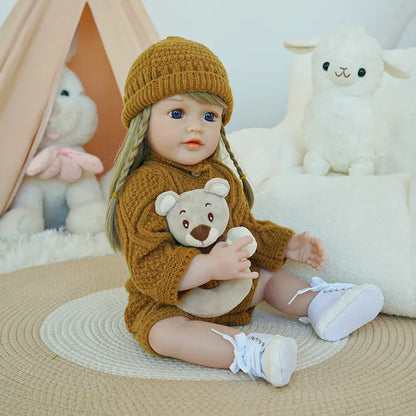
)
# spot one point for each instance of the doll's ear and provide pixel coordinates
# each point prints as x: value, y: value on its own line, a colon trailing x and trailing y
x: 303, y: 45
x: 165, y: 202
x: 217, y: 186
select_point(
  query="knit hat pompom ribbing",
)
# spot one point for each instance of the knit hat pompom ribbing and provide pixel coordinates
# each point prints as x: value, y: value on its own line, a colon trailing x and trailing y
x: 174, y: 66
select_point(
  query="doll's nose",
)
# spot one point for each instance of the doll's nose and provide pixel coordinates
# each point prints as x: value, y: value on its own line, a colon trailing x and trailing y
x: 201, y: 232
x: 194, y: 126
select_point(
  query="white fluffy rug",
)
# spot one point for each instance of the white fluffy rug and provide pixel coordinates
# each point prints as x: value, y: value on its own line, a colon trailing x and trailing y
x: 50, y: 246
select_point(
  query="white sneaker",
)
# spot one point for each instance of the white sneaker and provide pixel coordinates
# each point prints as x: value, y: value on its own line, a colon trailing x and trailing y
x: 341, y: 308
x: 271, y: 357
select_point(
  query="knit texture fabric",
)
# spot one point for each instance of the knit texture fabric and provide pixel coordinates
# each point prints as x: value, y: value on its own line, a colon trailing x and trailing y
x: 174, y: 66
x: 157, y: 263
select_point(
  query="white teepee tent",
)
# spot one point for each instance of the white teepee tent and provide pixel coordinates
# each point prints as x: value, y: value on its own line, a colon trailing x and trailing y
x: 35, y: 40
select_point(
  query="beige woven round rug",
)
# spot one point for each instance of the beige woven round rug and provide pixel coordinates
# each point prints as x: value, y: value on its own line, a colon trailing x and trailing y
x: 373, y: 372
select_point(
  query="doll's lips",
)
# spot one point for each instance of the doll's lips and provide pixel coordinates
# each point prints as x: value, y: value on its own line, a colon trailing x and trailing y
x: 193, y: 144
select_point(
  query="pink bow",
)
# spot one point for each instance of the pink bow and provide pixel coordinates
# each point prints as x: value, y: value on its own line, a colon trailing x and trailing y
x: 65, y: 162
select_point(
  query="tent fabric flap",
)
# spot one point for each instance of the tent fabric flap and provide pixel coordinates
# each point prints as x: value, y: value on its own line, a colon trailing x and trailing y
x: 34, y: 43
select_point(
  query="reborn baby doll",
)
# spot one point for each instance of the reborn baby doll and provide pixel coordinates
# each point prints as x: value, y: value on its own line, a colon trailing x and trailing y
x: 177, y: 101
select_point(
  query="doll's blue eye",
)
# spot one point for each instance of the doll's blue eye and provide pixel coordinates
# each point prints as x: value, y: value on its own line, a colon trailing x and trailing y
x: 65, y: 93
x: 325, y: 66
x: 210, y: 116
x: 176, y: 113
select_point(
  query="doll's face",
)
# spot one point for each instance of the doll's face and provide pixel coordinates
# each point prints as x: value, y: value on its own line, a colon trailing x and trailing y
x: 184, y: 130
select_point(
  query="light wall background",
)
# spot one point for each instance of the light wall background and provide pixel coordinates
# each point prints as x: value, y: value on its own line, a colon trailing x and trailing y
x: 247, y: 35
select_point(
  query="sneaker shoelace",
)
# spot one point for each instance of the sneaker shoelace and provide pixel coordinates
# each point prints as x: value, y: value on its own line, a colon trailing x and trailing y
x: 319, y: 285
x: 248, y: 352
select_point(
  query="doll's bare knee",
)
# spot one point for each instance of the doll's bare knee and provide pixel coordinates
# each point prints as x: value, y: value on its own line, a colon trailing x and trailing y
x: 164, y: 331
x: 263, y: 279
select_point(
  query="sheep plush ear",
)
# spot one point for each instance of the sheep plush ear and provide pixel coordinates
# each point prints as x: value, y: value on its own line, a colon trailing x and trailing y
x: 217, y: 186
x: 395, y: 64
x: 165, y: 202
x: 304, y: 45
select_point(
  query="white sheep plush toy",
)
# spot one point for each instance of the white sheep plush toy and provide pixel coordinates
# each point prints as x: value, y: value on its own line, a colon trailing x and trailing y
x: 60, y: 187
x: 199, y: 218
x: 343, y: 129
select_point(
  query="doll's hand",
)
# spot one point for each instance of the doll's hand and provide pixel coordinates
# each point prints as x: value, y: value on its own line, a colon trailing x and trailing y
x: 230, y: 261
x: 306, y: 249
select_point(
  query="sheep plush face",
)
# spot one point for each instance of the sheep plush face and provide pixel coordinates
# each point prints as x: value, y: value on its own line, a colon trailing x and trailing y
x: 196, y: 218
x: 348, y: 58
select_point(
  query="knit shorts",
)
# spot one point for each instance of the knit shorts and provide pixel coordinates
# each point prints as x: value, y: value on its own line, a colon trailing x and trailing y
x: 143, y: 315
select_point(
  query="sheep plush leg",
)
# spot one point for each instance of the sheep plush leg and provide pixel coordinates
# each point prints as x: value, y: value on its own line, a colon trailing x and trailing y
x: 87, y: 207
x: 26, y: 215
x: 315, y: 164
x: 361, y: 168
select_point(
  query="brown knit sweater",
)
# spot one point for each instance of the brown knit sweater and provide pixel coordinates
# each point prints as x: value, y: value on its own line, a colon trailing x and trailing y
x: 157, y: 263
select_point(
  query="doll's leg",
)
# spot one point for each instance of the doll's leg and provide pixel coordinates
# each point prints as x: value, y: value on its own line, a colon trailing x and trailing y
x: 192, y: 341
x: 334, y: 309
x: 271, y: 357
x: 278, y: 288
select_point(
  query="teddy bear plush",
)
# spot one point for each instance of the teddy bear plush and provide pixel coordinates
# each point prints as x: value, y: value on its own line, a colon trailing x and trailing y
x: 343, y: 128
x: 60, y: 187
x: 198, y: 218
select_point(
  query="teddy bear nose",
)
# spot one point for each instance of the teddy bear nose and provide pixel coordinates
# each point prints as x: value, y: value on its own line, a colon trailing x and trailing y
x: 201, y: 232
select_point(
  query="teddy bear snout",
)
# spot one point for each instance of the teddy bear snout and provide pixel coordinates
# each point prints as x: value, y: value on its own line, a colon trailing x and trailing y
x: 201, y: 232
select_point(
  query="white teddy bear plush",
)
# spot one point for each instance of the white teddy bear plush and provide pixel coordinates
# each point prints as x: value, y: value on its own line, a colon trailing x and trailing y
x: 199, y: 218
x: 60, y: 187
x: 343, y: 129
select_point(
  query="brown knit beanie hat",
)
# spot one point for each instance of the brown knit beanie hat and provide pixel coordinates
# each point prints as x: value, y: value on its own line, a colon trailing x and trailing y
x: 174, y: 66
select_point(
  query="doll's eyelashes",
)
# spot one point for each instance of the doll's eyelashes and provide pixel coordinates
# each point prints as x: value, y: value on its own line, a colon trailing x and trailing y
x: 177, y: 113
x: 65, y: 93
x: 325, y: 66
x: 361, y: 72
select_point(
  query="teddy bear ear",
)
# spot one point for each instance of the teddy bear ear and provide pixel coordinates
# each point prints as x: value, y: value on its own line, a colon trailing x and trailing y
x: 217, y: 186
x: 303, y: 45
x: 165, y: 202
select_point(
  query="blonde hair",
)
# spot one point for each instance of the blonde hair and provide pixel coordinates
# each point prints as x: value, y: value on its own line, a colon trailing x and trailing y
x: 133, y: 153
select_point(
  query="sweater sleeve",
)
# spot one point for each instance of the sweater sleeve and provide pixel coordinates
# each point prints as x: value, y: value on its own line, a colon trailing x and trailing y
x: 157, y: 263
x: 271, y: 238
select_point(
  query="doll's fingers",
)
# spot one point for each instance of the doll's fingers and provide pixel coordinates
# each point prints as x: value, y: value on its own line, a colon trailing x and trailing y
x: 221, y: 244
x: 319, y: 264
x: 316, y: 262
x: 243, y: 255
x: 317, y: 245
x: 245, y: 264
x: 247, y: 275
x: 320, y: 256
x: 315, y: 265
x: 242, y: 242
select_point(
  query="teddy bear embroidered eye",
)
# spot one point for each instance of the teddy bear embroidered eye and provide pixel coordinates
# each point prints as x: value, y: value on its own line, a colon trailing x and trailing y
x: 198, y: 218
